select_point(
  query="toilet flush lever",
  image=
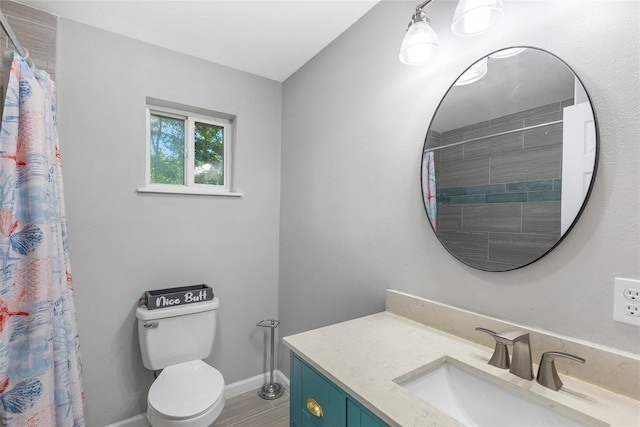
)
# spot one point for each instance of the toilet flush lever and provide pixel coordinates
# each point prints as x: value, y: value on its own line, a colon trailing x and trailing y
x: 151, y: 325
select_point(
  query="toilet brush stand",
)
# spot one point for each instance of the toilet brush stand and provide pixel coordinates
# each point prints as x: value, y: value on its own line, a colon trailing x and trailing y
x: 272, y: 390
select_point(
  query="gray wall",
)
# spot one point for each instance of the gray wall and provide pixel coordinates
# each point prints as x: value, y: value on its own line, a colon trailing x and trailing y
x: 352, y: 221
x: 123, y: 243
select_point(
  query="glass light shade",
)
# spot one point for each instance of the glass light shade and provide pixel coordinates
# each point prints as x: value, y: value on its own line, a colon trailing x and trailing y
x: 473, y: 74
x: 419, y: 44
x: 475, y: 16
x: 506, y: 53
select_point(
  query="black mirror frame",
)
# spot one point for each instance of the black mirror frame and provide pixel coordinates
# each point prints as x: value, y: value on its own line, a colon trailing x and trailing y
x: 586, y: 197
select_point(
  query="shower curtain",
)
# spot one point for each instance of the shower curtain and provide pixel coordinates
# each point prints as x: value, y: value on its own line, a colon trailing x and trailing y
x: 40, y: 367
x: 429, y: 192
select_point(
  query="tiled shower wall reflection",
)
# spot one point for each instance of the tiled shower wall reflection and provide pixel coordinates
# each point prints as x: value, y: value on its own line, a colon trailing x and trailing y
x: 499, y: 196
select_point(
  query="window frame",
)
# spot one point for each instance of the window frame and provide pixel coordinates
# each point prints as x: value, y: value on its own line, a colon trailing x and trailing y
x: 189, y: 186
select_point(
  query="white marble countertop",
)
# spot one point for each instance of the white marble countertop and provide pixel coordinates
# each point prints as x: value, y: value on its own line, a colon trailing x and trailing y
x: 364, y: 356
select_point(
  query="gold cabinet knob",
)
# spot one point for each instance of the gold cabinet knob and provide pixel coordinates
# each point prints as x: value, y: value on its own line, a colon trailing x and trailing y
x: 314, y: 408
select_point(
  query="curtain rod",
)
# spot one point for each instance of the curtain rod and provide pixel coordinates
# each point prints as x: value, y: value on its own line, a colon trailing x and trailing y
x: 507, y: 132
x: 7, y: 29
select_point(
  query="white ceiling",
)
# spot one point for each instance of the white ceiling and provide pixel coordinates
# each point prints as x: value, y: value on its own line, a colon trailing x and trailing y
x: 268, y: 38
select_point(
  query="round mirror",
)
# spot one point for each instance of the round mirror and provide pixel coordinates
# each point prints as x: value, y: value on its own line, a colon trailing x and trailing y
x: 509, y: 159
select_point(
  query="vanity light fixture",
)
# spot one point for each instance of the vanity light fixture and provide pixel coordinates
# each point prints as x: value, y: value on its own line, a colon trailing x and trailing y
x: 475, y: 16
x: 420, y: 41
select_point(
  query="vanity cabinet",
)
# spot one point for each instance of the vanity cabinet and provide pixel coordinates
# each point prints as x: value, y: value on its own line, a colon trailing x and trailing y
x: 318, y: 402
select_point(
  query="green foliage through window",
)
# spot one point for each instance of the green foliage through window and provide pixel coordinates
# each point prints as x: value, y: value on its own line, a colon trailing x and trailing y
x: 209, y: 154
x: 187, y: 150
x: 167, y: 150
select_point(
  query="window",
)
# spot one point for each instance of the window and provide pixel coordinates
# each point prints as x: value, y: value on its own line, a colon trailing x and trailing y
x: 187, y: 153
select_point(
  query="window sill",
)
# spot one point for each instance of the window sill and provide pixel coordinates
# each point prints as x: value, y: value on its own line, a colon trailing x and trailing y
x: 188, y: 191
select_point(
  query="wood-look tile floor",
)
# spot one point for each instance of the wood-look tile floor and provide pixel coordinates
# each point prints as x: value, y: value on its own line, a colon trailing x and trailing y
x: 249, y: 410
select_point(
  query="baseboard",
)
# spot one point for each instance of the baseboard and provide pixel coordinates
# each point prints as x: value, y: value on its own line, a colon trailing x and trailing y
x: 283, y: 380
x: 230, y: 390
x: 254, y: 383
x: 139, y: 420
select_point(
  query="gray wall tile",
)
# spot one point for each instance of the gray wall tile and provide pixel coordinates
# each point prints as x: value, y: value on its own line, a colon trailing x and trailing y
x: 465, y: 245
x: 502, y: 127
x: 541, y: 217
x: 518, y: 248
x: 496, y: 217
x: 494, y: 145
x: 535, y: 164
x: 449, y: 218
x: 450, y: 154
x: 463, y: 173
x: 544, y: 118
x: 543, y: 136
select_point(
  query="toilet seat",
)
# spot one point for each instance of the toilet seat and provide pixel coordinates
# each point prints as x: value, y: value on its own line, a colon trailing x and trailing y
x: 186, y: 391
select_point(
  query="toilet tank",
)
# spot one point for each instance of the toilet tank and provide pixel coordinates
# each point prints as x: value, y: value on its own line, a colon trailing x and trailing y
x: 173, y: 335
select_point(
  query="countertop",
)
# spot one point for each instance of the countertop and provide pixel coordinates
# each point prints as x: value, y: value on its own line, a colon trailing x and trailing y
x: 368, y: 356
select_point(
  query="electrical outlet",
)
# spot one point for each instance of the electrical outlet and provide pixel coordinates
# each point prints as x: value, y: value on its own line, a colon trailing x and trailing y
x: 632, y: 310
x: 632, y: 294
x: 626, y: 301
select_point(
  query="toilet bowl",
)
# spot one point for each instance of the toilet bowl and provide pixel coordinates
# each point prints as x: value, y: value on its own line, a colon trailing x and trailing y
x: 189, y: 394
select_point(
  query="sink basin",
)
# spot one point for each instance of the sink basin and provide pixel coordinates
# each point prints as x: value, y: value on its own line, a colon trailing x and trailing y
x: 471, y: 397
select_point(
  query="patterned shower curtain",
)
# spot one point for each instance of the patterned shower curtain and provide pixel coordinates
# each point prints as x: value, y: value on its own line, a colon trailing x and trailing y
x: 40, y: 367
x: 429, y: 191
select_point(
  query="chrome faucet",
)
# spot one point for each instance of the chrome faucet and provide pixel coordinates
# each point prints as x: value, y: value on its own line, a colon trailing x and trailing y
x: 521, y: 364
x: 547, y: 373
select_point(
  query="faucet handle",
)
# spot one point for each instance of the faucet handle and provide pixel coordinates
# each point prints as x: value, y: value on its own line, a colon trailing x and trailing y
x: 547, y: 373
x: 500, y: 357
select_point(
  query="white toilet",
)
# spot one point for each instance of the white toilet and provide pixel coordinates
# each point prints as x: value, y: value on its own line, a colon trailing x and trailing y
x: 188, y: 392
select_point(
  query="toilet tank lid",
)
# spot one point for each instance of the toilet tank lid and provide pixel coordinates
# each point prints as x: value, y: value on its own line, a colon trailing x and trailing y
x: 143, y: 313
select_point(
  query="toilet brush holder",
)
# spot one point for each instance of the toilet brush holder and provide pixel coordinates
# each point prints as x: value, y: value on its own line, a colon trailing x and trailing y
x: 272, y: 390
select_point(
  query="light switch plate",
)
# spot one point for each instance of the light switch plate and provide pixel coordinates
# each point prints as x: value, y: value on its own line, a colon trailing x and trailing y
x: 626, y: 304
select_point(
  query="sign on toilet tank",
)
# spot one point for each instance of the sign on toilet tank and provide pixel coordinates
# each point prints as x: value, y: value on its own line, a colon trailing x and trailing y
x: 171, y: 297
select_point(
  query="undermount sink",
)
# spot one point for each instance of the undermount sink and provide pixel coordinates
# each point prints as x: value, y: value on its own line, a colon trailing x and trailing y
x: 467, y: 395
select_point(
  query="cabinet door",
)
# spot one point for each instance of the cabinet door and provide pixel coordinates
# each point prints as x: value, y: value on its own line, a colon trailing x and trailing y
x: 337, y: 407
x: 318, y: 402
x: 359, y: 416
x: 295, y: 392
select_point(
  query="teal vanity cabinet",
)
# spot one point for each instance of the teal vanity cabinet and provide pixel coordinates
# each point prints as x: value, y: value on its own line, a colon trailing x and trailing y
x: 317, y: 402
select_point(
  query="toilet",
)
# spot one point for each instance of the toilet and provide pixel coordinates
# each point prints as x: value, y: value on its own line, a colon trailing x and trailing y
x: 188, y: 392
